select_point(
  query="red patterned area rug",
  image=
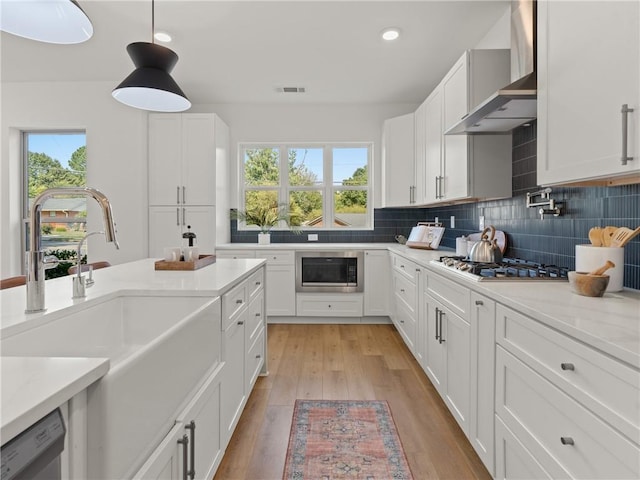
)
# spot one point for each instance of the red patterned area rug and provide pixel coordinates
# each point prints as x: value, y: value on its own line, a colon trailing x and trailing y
x: 336, y: 439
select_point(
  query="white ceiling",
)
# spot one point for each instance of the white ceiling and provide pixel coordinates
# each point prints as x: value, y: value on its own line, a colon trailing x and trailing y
x: 241, y: 51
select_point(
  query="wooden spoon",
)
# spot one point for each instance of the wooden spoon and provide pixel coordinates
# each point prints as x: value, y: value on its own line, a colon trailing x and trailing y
x: 595, y: 236
x: 602, y: 269
x: 607, y: 234
x: 623, y: 235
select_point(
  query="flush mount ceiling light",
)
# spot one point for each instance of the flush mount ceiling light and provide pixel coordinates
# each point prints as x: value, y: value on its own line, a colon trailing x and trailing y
x: 150, y: 86
x: 50, y: 21
x: 391, y: 33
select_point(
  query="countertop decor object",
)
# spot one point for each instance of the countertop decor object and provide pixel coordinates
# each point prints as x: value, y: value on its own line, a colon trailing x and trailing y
x: 266, y: 216
x: 590, y: 257
x: 587, y: 284
x: 202, y: 261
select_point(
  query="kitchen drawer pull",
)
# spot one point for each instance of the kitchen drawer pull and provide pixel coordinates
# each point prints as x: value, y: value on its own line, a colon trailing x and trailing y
x: 192, y: 426
x: 417, y: 269
x: 239, y: 301
x: 184, y: 441
x: 402, y: 290
x: 567, y: 366
x: 566, y: 440
x: 240, y: 322
x: 258, y: 356
x: 178, y: 217
x: 440, y: 339
x: 177, y: 194
x: 437, y: 317
x: 479, y: 302
x: 625, y: 133
x: 402, y: 321
x: 401, y: 266
x: 257, y: 314
x: 329, y: 306
x: 184, y: 216
x: 258, y: 283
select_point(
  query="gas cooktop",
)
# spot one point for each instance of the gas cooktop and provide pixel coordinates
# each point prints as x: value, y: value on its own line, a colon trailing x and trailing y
x: 508, y: 269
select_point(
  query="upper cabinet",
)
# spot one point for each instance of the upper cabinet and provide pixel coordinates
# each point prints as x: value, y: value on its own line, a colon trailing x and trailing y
x: 588, y: 69
x: 461, y: 167
x: 398, y: 161
x: 182, y: 159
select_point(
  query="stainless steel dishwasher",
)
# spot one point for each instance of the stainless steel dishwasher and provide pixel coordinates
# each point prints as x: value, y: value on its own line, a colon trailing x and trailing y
x: 35, y: 453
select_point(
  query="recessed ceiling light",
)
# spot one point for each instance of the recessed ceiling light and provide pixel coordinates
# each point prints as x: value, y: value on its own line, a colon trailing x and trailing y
x: 163, y: 37
x: 390, y: 33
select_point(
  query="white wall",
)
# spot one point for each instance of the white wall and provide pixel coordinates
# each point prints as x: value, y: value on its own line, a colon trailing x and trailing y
x: 499, y: 36
x: 305, y: 123
x: 116, y: 161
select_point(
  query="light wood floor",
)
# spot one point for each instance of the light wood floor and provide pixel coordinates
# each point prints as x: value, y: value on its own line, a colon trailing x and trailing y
x: 346, y: 362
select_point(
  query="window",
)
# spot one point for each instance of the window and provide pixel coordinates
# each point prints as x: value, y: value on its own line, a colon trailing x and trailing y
x: 324, y: 186
x: 55, y: 159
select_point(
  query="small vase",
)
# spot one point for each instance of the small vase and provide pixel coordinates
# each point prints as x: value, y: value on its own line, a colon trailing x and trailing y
x: 264, y: 238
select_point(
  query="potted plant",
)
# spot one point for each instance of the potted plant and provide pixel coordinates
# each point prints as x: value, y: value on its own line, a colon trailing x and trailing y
x: 265, y: 217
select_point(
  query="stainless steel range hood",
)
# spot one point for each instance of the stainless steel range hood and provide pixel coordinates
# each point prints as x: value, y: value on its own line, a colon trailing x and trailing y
x: 514, y: 104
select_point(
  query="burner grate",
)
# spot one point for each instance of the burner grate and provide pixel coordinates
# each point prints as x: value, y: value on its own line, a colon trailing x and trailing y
x: 509, y: 268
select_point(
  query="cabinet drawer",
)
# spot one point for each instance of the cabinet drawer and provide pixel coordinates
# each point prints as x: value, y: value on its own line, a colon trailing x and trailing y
x: 254, y: 361
x: 255, y: 317
x: 233, y: 304
x: 607, y: 387
x: 556, y: 428
x: 405, y: 322
x: 450, y: 294
x: 235, y: 254
x: 404, y: 266
x: 347, y: 305
x: 277, y: 257
x: 404, y: 289
x: 255, y: 284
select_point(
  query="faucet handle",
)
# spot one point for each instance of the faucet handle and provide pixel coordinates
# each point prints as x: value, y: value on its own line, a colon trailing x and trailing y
x: 89, y: 281
x: 50, y: 261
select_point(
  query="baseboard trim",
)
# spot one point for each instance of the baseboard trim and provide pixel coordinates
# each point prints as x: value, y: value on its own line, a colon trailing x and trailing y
x: 333, y: 320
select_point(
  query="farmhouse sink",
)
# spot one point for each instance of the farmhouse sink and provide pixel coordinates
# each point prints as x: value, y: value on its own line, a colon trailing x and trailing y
x: 159, y: 350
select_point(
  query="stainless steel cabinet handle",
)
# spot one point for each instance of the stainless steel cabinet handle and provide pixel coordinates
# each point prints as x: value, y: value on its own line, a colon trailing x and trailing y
x: 239, y: 301
x: 417, y: 269
x: 437, y: 194
x: 440, y: 180
x: 479, y: 302
x: 192, y: 426
x: 178, y: 217
x: 184, y: 441
x: 177, y: 194
x: 625, y: 133
x: 258, y: 283
x: 437, y: 317
x: 440, y: 339
x: 258, y: 314
x: 566, y: 440
x: 184, y: 194
x: 402, y: 290
x: 258, y: 356
x: 402, y: 321
x: 240, y: 322
x: 567, y: 366
x: 184, y: 216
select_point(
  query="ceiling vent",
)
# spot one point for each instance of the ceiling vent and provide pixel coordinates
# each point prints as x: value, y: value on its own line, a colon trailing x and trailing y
x: 291, y: 89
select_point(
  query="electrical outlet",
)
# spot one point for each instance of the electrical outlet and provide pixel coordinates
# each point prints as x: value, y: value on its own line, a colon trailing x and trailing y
x: 312, y: 237
x: 437, y: 220
x: 453, y: 221
x: 481, y: 222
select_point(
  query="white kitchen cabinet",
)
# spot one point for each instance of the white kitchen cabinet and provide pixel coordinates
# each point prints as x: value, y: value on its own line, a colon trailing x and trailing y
x: 398, y: 161
x: 481, y: 416
x: 167, y: 461
x: 377, y: 271
x: 588, y: 68
x: 167, y: 224
x: 460, y: 167
x: 420, y: 152
x: 448, y: 358
x: 188, y: 171
x: 405, y: 279
x: 281, y: 281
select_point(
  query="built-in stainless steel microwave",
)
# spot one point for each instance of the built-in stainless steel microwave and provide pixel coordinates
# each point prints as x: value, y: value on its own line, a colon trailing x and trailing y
x: 339, y: 271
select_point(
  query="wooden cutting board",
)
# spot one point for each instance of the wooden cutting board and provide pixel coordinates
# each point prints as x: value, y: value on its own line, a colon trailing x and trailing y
x: 500, y: 236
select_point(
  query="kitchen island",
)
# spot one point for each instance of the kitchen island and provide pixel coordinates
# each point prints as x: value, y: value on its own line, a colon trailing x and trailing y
x: 130, y: 292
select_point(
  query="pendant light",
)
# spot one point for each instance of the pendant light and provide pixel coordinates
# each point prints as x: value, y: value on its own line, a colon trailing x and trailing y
x: 150, y: 86
x: 50, y: 21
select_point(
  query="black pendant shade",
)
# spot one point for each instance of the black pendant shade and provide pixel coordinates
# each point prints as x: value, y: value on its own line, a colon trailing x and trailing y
x: 150, y: 86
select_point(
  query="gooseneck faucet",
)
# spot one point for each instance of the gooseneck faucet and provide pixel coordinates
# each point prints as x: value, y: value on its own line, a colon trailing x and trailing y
x: 35, y: 262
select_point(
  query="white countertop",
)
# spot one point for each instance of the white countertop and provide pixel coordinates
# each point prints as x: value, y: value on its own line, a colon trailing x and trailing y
x: 138, y: 277
x: 324, y: 247
x: 33, y: 387
x: 610, y: 324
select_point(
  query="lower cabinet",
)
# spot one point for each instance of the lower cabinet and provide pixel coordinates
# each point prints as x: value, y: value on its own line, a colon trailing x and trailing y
x: 233, y: 386
x: 483, y: 364
x: 329, y: 305
x: 192, y: 449
x: 377, y: 270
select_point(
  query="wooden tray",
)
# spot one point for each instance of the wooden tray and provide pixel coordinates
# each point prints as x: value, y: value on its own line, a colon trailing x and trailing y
x: 203, y: 261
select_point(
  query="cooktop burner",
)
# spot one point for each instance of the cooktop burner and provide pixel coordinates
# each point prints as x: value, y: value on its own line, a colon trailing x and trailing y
x: 507, y: 269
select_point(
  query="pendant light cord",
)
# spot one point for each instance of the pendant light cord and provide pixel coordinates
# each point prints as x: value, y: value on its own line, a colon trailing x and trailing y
x: 153, y: 20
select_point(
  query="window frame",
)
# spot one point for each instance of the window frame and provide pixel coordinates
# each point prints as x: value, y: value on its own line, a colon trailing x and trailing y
x: 327, y: 187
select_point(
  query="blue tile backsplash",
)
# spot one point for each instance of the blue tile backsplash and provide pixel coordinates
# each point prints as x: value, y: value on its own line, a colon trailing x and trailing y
x: 550, y: 241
